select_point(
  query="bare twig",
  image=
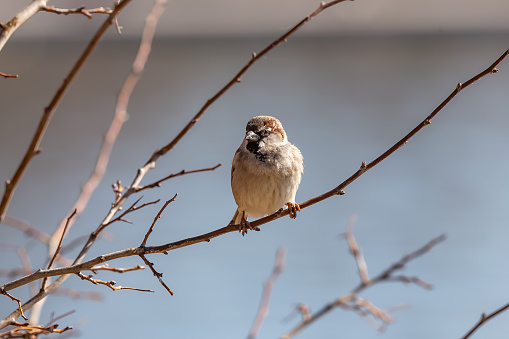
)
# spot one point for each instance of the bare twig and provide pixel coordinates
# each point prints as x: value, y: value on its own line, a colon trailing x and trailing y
x: 53, y: 320
x: 484, y: 319
x: 105, y: 267
x: 58, y: 247
x: 10, y: 185
x: 74, y: 294
x: 123, y: 100
x: 355, y: 250
x: 144, y: 242
x: 263, y: 310
x: 236, y: 79
x: 13, y: 298
x: 5, y: 75
x: 80, y: 10
x: 353, y: 302
x: 25, y: 330
x: 118, y: 120
x: 111, y: 284
x: 183, y: 172
x: 158, y: 275
x: 131, y: 209
x: 27, y: 229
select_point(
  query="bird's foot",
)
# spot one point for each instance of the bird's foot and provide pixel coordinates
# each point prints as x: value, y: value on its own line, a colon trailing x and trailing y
x: 293, y: 208
x: 246, y: 225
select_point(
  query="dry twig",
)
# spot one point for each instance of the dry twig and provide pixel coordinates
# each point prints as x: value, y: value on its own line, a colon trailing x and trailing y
x: 33, y: 149
x: 484, y: 319
x: 80, y: 10
x: 158, y: 275
x: 57, y: 250
x: 351, y: 301
x: 25, y: 330
x: 5, y: 75
x: 263, y: 310
x: 111, y: 284
x: 183, y: 172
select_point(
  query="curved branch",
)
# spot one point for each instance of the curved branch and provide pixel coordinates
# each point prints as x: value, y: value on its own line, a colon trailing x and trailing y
x: 6, y: 30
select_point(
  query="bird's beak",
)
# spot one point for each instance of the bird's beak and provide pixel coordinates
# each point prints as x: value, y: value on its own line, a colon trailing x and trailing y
x: 252, y: 136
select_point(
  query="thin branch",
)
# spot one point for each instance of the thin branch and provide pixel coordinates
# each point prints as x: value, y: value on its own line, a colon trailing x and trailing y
x: 33, y: 149
x: 119, y: 118
x: 150, y: 23
x: 355, y: 251
x: 105, y: 267
x: 484, y: 319
x: 158, y: 275
x: 183, y: 172
x: 131, y: 209
x: 53, y: 320
x: 74, y: 294
x: 58, y: 247
x: 345, y: 300
x: 111, y: 284
x: 27, y: 229
x: 25, y: 330
x: 80, y: 10
x: 13, y: 298
x: 5, y: 75
x: 236, y: 79
x: 263, y: 310
x: 144, y: 242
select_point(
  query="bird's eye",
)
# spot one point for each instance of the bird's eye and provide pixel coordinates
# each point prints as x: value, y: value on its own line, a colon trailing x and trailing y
x: 264, y: 132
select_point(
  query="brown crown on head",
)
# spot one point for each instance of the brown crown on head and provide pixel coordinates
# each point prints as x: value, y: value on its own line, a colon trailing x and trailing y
x: 256, y: 124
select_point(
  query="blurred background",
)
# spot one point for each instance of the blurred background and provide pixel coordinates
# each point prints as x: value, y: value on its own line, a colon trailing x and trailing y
x: 346, y: 87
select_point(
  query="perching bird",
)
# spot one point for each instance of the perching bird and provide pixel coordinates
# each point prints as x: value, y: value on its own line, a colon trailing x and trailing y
x: 266, y: 172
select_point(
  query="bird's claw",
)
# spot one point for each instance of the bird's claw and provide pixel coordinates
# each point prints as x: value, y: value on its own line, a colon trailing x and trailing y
x: 246, y: 225
x: 293, y: 208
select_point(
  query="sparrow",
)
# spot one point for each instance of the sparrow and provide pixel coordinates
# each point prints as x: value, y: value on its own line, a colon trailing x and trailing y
x: 266, y: 172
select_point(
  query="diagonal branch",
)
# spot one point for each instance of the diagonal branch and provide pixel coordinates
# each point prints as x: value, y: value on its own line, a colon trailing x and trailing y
x: 59, y: 247
x: 33, y: 149
x: 263, y: 310
x: 485, y: 318
x: 236, y: 79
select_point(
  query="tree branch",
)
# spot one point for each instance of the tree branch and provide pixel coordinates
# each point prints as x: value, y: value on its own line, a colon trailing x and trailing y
x: 484, y: 319
x: 263, y: 310
x: 79, y: 10
x: 33, y: 149
x: 346, y: 299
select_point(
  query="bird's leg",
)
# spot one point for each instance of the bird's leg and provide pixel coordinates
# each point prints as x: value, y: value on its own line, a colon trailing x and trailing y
x: 244, y: 225
x: 293, y: 208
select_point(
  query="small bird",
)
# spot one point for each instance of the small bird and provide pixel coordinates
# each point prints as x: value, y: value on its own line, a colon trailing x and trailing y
x: 266, y: 172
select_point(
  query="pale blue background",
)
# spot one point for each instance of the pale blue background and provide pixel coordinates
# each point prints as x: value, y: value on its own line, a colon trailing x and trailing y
x: 342, y: 100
